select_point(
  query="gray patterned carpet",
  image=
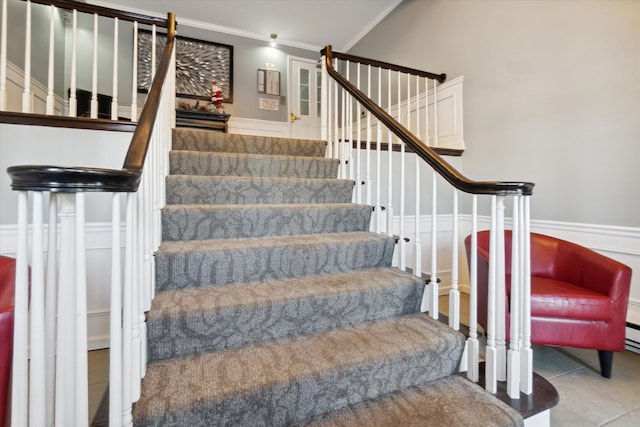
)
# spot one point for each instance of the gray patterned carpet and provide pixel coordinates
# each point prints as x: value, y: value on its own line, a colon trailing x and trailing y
x: 276, y: 306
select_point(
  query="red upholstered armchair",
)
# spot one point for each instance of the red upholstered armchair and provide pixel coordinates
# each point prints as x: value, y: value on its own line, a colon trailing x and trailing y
x: 7, y: 287
x: 578, y: 297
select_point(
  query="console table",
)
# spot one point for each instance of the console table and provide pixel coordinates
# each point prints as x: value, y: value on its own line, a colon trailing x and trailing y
x: 202, y: 120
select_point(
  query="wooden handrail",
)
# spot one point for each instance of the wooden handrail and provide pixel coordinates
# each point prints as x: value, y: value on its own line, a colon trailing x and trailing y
x: 140, y: 141
x: 105, y: 11
x: 386, y: 65
x: 63, y: 179
x: 441, y: 166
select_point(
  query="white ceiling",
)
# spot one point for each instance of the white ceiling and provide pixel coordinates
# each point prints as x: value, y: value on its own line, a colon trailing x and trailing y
x: 306, y: 24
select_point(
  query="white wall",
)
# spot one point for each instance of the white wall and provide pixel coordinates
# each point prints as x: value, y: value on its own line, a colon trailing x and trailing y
x: 552, y: 94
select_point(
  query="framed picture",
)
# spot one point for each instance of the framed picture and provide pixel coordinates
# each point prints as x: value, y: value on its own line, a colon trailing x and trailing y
x: 198, y: 63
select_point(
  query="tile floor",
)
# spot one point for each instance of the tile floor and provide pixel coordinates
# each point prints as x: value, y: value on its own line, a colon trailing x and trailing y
x: 586, y: 398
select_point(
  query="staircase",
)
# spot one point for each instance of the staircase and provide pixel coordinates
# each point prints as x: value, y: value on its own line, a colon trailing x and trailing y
x: 276, y: 306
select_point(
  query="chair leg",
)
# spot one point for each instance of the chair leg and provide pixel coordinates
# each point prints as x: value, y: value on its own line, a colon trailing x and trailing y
x: 606, y: 360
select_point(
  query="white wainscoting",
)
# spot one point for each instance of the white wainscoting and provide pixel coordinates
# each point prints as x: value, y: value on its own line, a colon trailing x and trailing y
x: 15, y: 88
x: 259, y: 127
x: 98, y: 242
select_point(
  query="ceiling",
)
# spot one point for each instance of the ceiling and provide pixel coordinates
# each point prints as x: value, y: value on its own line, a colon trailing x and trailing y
x: 306, y: 24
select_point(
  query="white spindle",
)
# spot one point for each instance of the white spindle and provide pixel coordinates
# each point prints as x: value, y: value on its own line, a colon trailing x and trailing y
x: 73, y: 100
x: 368, y: 146
x: 3, y: 58
x: 115, y: 328
x: 26, y: 94
x: 513, y: 355
x: 81, y: 368
x: 358, y: 139
x: 114, y: 99
x: 389, y: 163
x: 20, y: 382
x: 434, y: 287
x: 50, y: 306
x: 417, y: 241
x: 350, y: 132
x: 336, y: 129
x: 500, y: 293
x: 490, y: 350
x: 50, y: 109
x: 66, y: 326
x: 135, y: 304
x: 402, y: 255
x: 473, y: 347
x: 378, y: 209
x: 324, y: 117
x: 37, y: 376
x: 134, y: 77
x: 436, y: 137
x: 94, y: 75
x: 127, y: 315
x: 343, y: 107
x: 526, y: 353
x: 454, y: 293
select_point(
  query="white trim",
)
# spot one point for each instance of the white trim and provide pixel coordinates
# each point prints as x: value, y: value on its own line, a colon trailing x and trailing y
x: 541, y: 419
x: 258, y: 127
x: 15, y: 76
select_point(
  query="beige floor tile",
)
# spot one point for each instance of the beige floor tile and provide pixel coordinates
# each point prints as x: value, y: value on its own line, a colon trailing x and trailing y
x: 98, y: 361
x: 561, y: 416
x: 630, y: 419
x: 551, y: 362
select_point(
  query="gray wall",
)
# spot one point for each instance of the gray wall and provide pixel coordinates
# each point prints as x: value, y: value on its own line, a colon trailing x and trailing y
x: 248, y: 56
x: 551, y: 94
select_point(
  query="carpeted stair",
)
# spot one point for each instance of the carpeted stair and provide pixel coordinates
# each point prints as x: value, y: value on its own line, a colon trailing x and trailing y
x: 276, y: 306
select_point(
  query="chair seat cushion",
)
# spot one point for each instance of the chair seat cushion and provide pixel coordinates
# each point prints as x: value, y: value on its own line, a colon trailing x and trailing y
x: 555, y: 298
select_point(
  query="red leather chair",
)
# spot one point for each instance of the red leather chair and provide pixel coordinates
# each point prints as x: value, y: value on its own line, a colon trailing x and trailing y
x: 7, y: 288
x: 578, y: 297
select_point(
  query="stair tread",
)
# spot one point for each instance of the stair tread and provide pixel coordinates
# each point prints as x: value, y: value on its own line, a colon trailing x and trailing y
x: 199, y: 222
x: 448, y: 401
x: 246, y: 164
x: 313, y: 373
x: 276, y: 309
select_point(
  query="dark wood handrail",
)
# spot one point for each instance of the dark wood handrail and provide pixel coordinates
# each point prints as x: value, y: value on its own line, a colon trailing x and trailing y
x: 105, y: 11
x: 386, y: 65
x: 444, y: 169
x: 80, y: 179
x: 140, y: 141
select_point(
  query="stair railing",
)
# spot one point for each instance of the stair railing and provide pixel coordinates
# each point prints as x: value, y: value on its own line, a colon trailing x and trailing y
x: 49, y: 368
x: 365, y: 137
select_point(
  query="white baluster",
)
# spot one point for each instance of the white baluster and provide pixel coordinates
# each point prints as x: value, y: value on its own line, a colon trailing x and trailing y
x: 368, y: 146
x: 66, y: 326
x: 127, y: 315
x: 490, y: 352
x: 378, y: 224
x: 135, y: 320
x: 500, y: 334
x: 37, y: 374
x: 343, y: 106
x: 73, y: 100
x: 336, y: 118
x: 3, y: 58
x: 50, y: 94
x: 81, y: 369
x: 94, y: 77
x: 115, y: 327
x: 402, y: 252
x: 434, y: 287
x: 389, y: 164
x: 513, y: 355
x: 20, y: 375
x: 50, y: 310
x: 473, y: 347
x: 417, y: 241
x: 114, y: 99
x: 454, y: 293
x: 436, y: 137
x: 350, y: 133
x: 358, y: 140
x: 526, y: 353
x: 134, y: 77
x: 324, y: 118
x: 26, y: 94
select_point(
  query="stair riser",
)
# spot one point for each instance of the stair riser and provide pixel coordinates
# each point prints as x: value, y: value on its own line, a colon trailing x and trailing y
x: 183, y: 189
x: 210, y: 267
x: 189, y: 222
x: 223, y: 164
x: 191, y: 139
x: 203, y: 331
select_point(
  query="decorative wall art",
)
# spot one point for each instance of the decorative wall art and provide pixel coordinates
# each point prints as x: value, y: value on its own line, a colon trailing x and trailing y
x: 198, y: 63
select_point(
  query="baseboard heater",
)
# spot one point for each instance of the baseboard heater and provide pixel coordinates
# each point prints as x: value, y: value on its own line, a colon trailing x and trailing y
x: 633, y: 338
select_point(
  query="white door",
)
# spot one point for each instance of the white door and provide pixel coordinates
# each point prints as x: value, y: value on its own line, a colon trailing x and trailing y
x: 304, y: 98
